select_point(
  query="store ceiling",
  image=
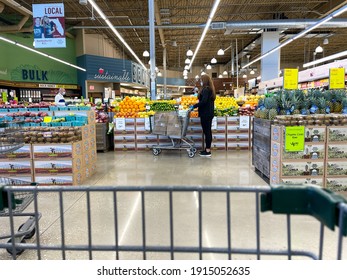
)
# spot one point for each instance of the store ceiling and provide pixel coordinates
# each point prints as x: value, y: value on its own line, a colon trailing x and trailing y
x: 182, y: 24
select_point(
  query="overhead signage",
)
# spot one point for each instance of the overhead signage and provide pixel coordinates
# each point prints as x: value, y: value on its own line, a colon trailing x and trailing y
x: 337, y: 78
x: 290, y: 78
x: 49, y: 25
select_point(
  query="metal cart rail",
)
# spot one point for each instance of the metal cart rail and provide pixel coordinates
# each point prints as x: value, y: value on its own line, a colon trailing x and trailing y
x: 12, y: 139
x: 175, y: 128
x: 328, y: 208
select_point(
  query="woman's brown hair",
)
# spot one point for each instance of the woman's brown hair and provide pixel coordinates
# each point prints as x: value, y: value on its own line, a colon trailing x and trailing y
x: 207, y: 82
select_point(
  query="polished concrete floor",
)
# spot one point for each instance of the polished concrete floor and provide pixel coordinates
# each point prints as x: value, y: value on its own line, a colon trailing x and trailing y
x: 170, y: 168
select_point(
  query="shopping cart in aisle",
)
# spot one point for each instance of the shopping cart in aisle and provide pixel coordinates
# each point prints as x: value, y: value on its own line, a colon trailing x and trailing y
x: 174, y: 126
x: 14, y: 204
x: 180, y: 229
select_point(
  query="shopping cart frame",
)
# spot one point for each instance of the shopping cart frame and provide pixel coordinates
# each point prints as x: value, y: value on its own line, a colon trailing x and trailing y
x: 266, y: 198
x: 178, y: 142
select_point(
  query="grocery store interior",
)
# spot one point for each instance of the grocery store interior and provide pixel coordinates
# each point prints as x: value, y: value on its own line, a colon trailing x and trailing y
x: 111, y: 169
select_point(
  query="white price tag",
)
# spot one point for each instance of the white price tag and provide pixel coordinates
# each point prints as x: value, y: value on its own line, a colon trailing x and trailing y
x: 147, y: 124
x: 120, y: 123
x: 214, y: 123
x: 148, y: 107
x: 244, y: 122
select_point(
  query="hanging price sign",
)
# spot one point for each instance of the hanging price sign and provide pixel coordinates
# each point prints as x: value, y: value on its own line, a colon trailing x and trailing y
x: 337, y: 78
x: 290, y: 78
x: 120, y: 123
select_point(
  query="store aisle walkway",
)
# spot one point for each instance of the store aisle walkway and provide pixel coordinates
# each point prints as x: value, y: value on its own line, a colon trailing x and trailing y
x: 171, y: 168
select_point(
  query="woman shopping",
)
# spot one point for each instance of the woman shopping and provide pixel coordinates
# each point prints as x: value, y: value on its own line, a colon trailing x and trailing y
x: 205, y: 107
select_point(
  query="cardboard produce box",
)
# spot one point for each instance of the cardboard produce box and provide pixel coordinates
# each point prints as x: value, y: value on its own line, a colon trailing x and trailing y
x: 277, y: 133
x: 16, y: 167
x: 337, y: 151
x: 21, y: 153
x: 311, y: 151
x: 53, y: 151
x: 337, y: 133
x: 58, y: 167
x: 124, y: 146
x: 147, y: 138
x: 294, y: 169
x: 336, y: 168
x: 237, y: 146
x: 64, y: 180
x: 315, y: 134
x: 315, y: 181
x: 17, y: 180
x: 336, y: 184
x: 124, y: 138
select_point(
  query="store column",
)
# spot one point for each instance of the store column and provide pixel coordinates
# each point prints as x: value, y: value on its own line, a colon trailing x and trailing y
x: 270, y: 65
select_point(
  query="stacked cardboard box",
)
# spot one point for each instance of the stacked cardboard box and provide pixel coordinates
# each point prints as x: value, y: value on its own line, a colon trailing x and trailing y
x: 124, y: 134
x: 17, y: 165
x: 219, y: 133
x: 144, y: 137
x: 58, y: 164
x: 238, y: 138
x: 336, y: 167
x: 307, y: 166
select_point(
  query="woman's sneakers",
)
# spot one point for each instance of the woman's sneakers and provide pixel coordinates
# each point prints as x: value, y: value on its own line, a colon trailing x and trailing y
x: 204, y: 154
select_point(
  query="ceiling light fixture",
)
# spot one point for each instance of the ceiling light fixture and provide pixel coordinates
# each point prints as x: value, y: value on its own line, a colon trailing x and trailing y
x: 299, y: 35
x: 145, y: 53
x: 185, y: 77
x: 187, y: 61
x: 326, y: 41
x: 189, y: 52
x: 244, y: 76
x: 220, y: 52
x: 186, y: 67
x: 225, y: 73
x: 324, y: 59
x: 185, y: 72
x: 197, y: 77
x: 103, y: 16
x: 159, y: 74
x: 209, y: 67
x: 252, y: 72
x: 41, y: 53
x: 207, y: 27
x: 203, y: 73
x: 220, y: 76
x: 214, y: 60
x: 319, y: 49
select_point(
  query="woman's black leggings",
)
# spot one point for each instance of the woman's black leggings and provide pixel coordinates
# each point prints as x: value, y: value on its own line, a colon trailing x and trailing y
x: 206, y: 124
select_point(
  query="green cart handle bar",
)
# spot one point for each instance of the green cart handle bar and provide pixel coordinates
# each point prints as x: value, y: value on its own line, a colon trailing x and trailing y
x: 322, y: 204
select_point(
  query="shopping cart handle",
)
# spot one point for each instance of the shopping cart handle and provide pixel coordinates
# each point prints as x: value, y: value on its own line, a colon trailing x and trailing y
x: 305, y: 200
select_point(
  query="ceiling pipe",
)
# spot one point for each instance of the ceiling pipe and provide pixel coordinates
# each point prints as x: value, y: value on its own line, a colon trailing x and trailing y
x: 261, y: 24
x: 158, y: 19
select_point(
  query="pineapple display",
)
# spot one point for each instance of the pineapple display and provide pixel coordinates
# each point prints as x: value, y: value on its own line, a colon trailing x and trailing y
x: 337, y: 106
x: 322, y: 105
x: 344, y: 106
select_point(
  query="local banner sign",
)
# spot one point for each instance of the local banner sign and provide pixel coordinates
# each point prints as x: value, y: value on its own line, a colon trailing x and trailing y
x: 49, y: 25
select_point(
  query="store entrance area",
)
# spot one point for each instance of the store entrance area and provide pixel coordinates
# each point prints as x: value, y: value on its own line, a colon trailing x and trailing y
x: 171, y: 168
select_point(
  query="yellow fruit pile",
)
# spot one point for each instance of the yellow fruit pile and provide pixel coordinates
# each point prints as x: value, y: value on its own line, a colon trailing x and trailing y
x: 145, y: 114
x: 225, y: 102
x: 130, y: 106
x: 187, y: 101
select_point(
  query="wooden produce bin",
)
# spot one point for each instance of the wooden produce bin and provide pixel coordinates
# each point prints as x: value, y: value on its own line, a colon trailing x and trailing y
x: 261, y: 146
